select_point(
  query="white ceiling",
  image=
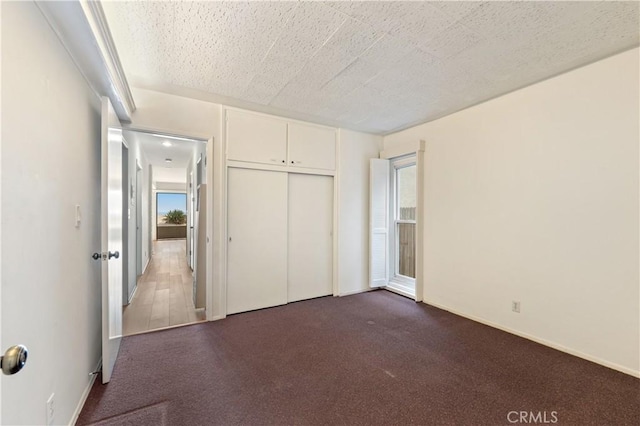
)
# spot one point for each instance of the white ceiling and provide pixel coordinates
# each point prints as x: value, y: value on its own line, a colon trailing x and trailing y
x: 372, y: 66
x: 180, y: 152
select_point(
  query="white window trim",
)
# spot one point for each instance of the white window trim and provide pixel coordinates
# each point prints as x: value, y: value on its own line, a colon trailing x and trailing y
x: 417, y: 148
x: 402, y: 283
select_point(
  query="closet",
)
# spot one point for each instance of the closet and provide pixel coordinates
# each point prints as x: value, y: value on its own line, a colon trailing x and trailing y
x: 257, y: 233
x: 279, y: 215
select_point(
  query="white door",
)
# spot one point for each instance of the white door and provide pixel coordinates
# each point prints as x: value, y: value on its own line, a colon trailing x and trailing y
x: 257, y: 240
x: 310, y: 236
x: 111, y: 218
x: 379, y: 222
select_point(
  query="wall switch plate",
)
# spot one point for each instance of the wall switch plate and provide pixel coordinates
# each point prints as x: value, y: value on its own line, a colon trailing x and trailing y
x: 515, y: 306
x: 78, y: 216
x: 50, y: 409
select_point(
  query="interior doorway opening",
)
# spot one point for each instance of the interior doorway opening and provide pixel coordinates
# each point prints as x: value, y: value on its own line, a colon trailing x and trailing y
x: 162, y: 233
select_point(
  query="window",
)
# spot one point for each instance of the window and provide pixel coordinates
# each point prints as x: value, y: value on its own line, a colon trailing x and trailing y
x: 402, y: 225
x: 405, y: 220
x: 171, y: 219
x: 395, y: 191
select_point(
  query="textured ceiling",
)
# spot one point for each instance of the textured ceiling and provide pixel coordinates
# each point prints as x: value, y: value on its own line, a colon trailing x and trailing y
x: 373, y: 66
x: 181, y: 151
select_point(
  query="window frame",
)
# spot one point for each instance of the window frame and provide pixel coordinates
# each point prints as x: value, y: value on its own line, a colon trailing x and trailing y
x: 404, y: 284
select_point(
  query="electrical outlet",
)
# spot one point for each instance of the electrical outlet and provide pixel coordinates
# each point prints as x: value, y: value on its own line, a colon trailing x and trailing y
x: 515, y: 306
x: 51, y: 411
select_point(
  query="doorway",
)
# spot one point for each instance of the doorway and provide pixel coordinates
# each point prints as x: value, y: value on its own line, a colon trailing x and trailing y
x: 159, y: 167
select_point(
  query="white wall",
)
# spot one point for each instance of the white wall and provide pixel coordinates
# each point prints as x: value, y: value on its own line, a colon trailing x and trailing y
x: 354, y: 153
x: 169, y: 174
x: 175, y: 115
x: 200, y: 119
x: 533, y: 197
x: 50, y: 163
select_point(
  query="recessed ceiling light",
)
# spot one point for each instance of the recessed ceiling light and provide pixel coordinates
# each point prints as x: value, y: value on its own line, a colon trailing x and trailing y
x: 167, y: 160
x: 166, y: 143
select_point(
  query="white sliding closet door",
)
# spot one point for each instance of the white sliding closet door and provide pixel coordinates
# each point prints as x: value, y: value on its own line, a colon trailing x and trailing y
x: 257, y: 244
x: 310, y: 236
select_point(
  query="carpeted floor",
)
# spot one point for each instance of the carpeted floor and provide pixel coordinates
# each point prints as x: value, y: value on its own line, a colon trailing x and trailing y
x: 369, y: 359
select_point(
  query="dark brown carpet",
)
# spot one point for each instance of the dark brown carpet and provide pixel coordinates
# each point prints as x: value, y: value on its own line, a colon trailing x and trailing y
x: 374, y: 358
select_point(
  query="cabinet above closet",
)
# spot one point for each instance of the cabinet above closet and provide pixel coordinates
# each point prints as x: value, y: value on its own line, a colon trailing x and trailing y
x: 263, y: 139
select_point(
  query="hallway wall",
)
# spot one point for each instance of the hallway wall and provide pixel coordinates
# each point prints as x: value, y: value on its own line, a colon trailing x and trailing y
x: 50, y: 163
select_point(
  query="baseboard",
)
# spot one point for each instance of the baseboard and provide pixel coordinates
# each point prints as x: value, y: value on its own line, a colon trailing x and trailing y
x: 145, y: 266
x: 85, y: 395
x: 557, y: 346
x: 133, y: 293
x: 349, y: 293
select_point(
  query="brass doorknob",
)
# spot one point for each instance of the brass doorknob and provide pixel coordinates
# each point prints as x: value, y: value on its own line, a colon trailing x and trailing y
x: 14, y: 359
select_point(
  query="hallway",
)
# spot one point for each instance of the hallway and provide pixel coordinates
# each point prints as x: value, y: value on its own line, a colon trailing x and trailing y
x: 164, y: 294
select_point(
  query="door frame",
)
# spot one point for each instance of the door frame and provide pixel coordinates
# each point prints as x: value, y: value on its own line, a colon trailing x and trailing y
x: 138, y: 185
x: 126, y: 214
x: 209, y: 141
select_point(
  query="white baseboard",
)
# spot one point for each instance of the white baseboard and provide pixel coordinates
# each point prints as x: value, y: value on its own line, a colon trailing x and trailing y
x: 557, y: 346
x: 349, y: 293
x: 145, y: 266
x: 85, y: 395
x: 133, y: 293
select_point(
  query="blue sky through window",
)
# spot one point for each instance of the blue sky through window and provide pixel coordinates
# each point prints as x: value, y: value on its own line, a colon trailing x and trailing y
x: 168, y: 202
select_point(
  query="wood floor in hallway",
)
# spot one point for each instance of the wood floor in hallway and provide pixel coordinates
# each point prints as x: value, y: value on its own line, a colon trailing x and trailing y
x: 164, y: 295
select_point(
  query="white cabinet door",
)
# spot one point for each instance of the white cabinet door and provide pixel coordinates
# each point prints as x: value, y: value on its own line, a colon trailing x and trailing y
x: 312, y: 147
x: 310, y: 236
x: 257, y: 244
x: 256, y: 138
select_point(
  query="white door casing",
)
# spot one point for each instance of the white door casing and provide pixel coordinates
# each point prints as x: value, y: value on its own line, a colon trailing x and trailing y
x: 111, y: 237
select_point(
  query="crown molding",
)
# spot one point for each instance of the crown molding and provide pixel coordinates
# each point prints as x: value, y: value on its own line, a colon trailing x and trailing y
x: 82, y: 28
